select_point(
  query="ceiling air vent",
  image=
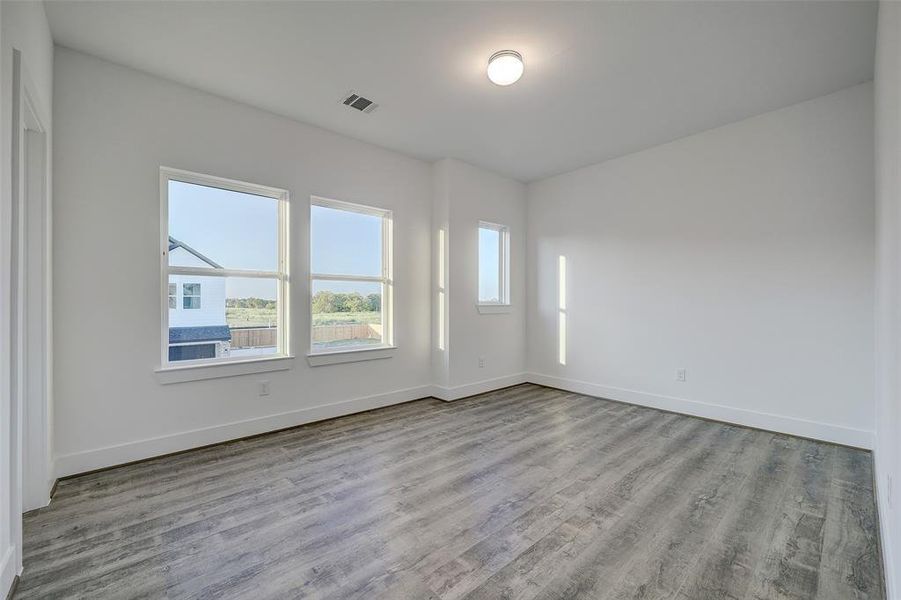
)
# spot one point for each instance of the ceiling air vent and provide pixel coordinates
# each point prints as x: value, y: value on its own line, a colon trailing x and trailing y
x: 358, y: 102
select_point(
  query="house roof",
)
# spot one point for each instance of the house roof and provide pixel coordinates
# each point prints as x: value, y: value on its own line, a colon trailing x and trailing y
x: 212, y: 333
x: 174, y: 243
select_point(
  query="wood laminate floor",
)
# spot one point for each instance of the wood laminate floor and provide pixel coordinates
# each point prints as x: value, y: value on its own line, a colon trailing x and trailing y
x: 526, y: 492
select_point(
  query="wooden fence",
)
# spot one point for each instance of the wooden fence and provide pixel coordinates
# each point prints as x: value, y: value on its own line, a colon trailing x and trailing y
x: 255, y: 337
x: 350, y: 331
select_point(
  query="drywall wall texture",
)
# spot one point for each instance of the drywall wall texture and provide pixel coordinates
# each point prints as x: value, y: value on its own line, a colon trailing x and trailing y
x: 482, y: 351
x: 116, y: 127
x: 23, y: 27
x: 743, y: 254
x: 888, y: 283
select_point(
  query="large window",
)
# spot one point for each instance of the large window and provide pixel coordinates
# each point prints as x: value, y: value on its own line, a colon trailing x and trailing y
x: 494, y: 264
x: 350, y: 277
x: 224, y: 269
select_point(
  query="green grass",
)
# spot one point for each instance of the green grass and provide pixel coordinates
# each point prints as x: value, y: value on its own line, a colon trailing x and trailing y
x: 250, y: 317
x: 338, y: 344
x: 346, y: 318
x: 263, y: 317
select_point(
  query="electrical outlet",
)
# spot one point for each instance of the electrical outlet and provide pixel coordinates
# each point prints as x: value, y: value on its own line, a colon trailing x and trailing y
x: 264, y: 388
x: 680, y: 374
x: 481, y: 362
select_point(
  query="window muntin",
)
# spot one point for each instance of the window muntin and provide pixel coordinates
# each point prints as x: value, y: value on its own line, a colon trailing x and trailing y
x: 190, y: 296
x: 350, y: 280
x: 494, y: 264
x: 224, y: 248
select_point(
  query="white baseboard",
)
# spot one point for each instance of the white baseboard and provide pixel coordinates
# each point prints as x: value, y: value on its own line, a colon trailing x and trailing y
x: 81, y: 462
x: 858, y: 438
x: 7, y: 570
x: 882, y: 517
x: 449, y: 394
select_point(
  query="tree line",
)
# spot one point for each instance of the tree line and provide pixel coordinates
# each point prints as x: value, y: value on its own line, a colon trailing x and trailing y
x: 338, y: 302
x: 323, y: 302
x: 249, y: 303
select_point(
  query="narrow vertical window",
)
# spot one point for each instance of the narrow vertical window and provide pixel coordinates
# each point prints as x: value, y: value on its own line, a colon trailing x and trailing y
x: 494, y: 264
x: 350, y: 277
x: 224, y: 250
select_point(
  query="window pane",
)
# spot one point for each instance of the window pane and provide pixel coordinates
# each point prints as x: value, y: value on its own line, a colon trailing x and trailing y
x: 251, y: 310
x: 345, y: 243
x: 346, y: 314
x: 236, y: 317
x: 489, y: 265
x: 214, y: 228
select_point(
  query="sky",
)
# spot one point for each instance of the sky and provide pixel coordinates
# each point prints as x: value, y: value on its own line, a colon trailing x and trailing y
x: 489, y: 246
x: 235, y: 230
x: 239, y: 231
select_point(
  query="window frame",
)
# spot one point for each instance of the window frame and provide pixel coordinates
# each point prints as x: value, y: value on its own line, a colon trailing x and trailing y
x: 185, y: 296
x: 386, y: 279
x: 503, y: 266
x: 281, y: 275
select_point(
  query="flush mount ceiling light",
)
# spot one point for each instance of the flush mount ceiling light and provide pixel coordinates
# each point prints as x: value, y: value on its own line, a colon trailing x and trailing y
x: 505, y: 67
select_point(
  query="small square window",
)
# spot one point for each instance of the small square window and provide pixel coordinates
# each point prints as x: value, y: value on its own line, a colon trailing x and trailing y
x: 494, y: 264
x: 173, y: 296
x: 191, y: 295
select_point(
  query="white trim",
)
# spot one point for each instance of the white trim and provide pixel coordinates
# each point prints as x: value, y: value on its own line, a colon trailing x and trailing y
x: 80, y: 462
x: 372, y: 211
x: 233, y: 185
x: 211, y: 272
x: 882, y: 517
x: 386, y: 279
x: 449, y: 394
x: 282, y: 276
x: 858, y: 438
x: 503, y: 259
x: 7, y: 570
x: 363, y: 278
x: 321, y: 359
x: 197, y: 371
x: 494, y: 309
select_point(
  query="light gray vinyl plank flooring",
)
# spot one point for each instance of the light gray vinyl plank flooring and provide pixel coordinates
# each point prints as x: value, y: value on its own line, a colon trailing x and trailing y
x: 523, y: 493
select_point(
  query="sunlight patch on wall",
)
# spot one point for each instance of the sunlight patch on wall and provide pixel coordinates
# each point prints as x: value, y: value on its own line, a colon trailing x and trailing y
x: 561, y: 310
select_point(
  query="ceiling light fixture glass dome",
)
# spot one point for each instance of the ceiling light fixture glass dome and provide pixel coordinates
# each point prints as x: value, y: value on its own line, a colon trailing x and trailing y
x: 505, y: 67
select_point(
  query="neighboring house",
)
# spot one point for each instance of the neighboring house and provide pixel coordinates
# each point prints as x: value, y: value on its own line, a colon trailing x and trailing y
x: 197, y: 325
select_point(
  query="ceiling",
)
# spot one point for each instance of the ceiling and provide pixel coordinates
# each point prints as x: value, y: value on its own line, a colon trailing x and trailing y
x: 601, y: 79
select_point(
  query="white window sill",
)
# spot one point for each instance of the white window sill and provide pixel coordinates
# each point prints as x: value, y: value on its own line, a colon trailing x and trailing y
x: 494, y: 309
x: 214, y: 370
x: 347, y: 356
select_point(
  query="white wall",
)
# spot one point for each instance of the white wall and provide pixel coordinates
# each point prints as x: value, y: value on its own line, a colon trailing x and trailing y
x: 888, y: 284
x: 743, y: 254
x: 465, y: 195
x: 114, y: 128
x: 23, y: 26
